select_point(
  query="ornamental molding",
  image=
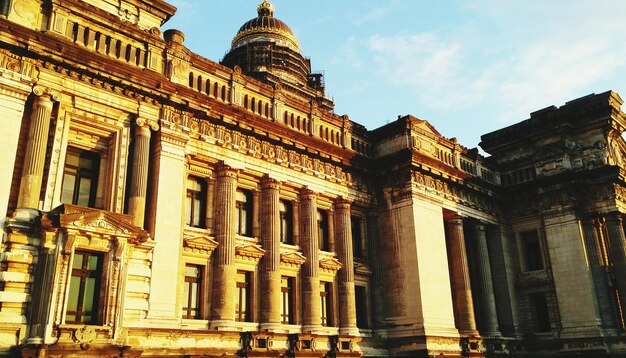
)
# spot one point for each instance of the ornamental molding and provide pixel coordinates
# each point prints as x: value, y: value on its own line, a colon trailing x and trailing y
x: 249, y: 252
x: 234, y: 140
x: 292, y: 259
x: 330, y: 265
x: 199, y: 244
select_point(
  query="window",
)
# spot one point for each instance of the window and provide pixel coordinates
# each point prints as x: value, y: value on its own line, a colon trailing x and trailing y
x: 287, y: 301
x: 244, y: 297
x: 84, y: 293
x: 80, y: 177
x: 326, y: 303
x: 244, y: 213
x: 531, y: 248
x: 286, y: 222
x: 4, y: 7
x: 360, y: 294
x: 195, y: 202
x: 192, y: 302
x: 322, y: 229
x: 540, y: 313
x: 357, y: 236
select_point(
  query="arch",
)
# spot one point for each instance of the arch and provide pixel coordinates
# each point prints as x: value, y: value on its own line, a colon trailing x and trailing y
x: 207, y: 86
x: 259, y: 107
x: 267, y: 110
x: 216, y: 89
x: 223, y: 93
x: 286, y: 118
x: 298, y: 122
x: 191, y: 77
x: 252, y: 105
x: 293, y: 123
x: 326, y: 134
x: 200, y: 83
x: 245, y: 101
x: 129, y: 50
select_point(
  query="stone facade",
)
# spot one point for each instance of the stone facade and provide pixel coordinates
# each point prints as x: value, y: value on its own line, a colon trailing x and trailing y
x: 157, y: 203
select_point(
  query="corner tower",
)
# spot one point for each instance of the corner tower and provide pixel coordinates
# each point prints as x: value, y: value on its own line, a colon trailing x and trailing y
x: 265, y: 48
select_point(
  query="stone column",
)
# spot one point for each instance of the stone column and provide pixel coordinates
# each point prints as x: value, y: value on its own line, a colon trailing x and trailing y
x: 461, y: 288
x: 618, y: 254
x: 331, y: 230
x: 311, y: 310
x: 34, y: 159
x: 224, y: 269
x: 343, y: 236
x: 488, y: 312
x: 270, y: 264
x: 139, y: 173
x: 592, y: 232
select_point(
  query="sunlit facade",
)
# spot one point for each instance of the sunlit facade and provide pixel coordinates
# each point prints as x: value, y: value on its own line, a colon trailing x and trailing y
x: 158, y: 203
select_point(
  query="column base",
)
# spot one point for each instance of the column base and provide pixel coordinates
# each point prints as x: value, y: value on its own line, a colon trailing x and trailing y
x: 272, y: 327
x: 349, y: 331
x: 314, y: 329
x: 469, y: 333
x: 223, y: 325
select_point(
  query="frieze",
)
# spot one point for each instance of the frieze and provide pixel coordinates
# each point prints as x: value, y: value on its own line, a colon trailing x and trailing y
x: 230, y: 139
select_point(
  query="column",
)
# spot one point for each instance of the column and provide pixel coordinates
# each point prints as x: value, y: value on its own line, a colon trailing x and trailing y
x: 224, y: 269
x: 139, y: 178
x: 592, y: 232
x: 255, y: 213
x: 210, y: 200
x: 311, y: 310
x: 32, y: 172
x: 270, y: 264
x: 462, y: 290
x: 295, y: 214
x: 489, y: 315
x: 331, y: 230
x: 618, y: 254
x: 343, y: 240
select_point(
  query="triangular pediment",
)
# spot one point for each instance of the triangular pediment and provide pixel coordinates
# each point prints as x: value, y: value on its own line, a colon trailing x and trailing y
x: 95, y: 221
x: 200, y: 243
x: 330, y: 264
x: 292, y: 258
x: 249, y: 252
x: 425, y: 127
x: 362, y: 269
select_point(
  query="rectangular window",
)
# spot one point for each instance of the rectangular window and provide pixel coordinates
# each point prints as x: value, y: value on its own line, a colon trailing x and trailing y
x: 360, y: 294
x: 244, y: 297
x: 195, y: 202
x: 286, y: 222
x: 287, y: 301
x: 540, y: 313
x: 80, y: 177
x: 84, y: 293
x: 4, y: 7
x: 244, y: 213
x: 192, y: 301
x: 326, y: 302
x: 531, y: 248
x: 322, y: 229
x: 357, y: 236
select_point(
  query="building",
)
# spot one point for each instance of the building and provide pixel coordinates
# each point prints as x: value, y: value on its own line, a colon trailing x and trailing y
x: 162, y: 204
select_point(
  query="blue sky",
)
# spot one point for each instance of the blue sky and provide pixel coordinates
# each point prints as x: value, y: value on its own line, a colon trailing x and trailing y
x: 467, y: 67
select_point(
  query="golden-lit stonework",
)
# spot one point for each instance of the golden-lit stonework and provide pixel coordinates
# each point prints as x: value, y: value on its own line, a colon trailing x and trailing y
x: 158, y: 203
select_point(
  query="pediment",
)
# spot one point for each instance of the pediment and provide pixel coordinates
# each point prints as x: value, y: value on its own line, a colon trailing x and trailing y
x: 330, y: 264
x: 425, y: 127
x: 362, y: 269
x: 95, y: 221
x: 292, y: 258
x: 249, y: 252
x: 202, y: 244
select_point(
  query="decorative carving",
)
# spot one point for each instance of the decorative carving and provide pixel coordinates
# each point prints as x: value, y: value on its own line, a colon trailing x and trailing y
x: 331, y: 265
x: 292, y: 259
x: 249, y: 252
x: 200, y: 244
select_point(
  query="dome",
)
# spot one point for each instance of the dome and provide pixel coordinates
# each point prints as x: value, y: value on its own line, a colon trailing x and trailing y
x: 265, y: 27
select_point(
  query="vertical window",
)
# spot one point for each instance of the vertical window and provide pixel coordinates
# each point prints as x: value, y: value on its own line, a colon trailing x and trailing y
x: 540, y: 313
x: 80, y: 177
x: 4, y: 7
x: 326, y: 303
x: 244, y: 213
x: 531, y: 248
x: 360, y: 294
x: 195, y: 202
x: 357, y: 236
x: 322, y: 229
x: 84, y: 293
x: 192, y: 302
x: 287, y: 301
x: 244, y: 297
x: 286, y: 222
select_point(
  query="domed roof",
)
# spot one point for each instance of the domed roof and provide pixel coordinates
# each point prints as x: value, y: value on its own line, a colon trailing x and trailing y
x: 265, y: 27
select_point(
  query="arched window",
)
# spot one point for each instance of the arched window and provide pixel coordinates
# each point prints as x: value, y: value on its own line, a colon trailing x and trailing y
x: 298, y: 122
x: 293, y: 123
x: 208, y: 86
x: 245, y: 101
x: 260, y: 107
x: 267, y: 110
x: 286, y: 118
x: 216, y: 89
x: 191, y: 77
x: 200, y: 83
x: 252, y: 105
x: 223, y: 93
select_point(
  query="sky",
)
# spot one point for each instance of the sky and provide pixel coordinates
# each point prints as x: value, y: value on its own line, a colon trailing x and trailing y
x: 467, y: 67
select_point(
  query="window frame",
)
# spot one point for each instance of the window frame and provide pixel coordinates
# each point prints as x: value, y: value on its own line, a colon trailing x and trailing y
x: 286, y: 221
x: 79, y: 173
x: 98, y: 274
x: 244, y: 287
x: 191, y: 197
x: 288, y: 302
x: 326, y: 304
x: 244, y: 226
x: 323, y: 230
x: 188, y: 292
x: 532, y: 259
